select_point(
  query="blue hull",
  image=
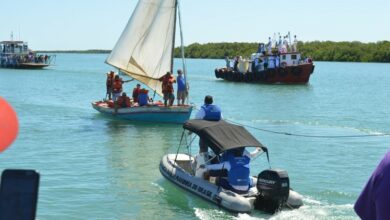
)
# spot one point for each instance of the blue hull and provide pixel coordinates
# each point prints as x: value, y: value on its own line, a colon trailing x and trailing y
x: 160, y: 114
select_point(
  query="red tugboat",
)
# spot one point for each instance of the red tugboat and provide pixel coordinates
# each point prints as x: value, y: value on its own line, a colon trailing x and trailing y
x: 270, y: 67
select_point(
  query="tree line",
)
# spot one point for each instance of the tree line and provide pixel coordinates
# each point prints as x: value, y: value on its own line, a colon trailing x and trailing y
x: 318, y: 50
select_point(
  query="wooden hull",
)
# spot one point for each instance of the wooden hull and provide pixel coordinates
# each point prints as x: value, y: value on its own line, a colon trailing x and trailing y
x: 299, y: 74
x: 152, y: 113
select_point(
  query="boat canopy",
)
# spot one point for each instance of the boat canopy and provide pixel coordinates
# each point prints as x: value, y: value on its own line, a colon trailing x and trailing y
x: 221, y: 135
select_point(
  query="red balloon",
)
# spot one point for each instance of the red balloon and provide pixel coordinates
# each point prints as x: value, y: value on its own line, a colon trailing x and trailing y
x: 8, y: 124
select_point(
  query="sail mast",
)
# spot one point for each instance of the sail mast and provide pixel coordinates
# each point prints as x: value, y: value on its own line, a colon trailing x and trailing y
x: 173, y: 39
x: 182, y: 52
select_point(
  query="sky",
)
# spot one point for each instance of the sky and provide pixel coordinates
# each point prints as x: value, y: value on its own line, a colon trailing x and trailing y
x: 97, y: 24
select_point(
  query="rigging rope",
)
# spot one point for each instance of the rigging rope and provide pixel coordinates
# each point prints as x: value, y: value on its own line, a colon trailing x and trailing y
x: 306, y: 135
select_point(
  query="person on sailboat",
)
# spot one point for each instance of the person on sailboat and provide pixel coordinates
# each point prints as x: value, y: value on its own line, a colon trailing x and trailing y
x: 143, y: 98
x: 109, y: 81
x: 167, y: 88
x: 136, y: 91
x: 117, y: 87
x: 181, y: 88
x: 124, y: 101
x: 237, y: 164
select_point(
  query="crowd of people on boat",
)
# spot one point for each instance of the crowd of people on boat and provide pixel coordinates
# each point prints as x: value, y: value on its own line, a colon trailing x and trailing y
x: 268, y: 56
x: 140, y: 96
x: 13, y: 60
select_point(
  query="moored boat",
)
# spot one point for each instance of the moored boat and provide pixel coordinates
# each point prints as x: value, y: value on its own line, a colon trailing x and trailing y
x: 270, y: 191
x: 16, y: 54
x: 144, y: 52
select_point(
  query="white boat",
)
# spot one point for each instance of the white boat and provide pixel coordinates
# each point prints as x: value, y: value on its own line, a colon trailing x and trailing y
x: 144, y: 52
x: 16, y: 54
x: 270, y: 192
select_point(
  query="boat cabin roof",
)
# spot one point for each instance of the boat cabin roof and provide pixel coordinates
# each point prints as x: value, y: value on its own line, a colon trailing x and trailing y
x: 221, y: 135
x: 11, y: 42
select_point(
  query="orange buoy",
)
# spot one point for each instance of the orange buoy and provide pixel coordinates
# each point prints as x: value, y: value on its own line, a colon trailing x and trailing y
x: 8, y: 124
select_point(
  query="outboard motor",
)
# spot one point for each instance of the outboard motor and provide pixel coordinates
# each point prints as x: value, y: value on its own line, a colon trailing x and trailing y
x: 274, y: 187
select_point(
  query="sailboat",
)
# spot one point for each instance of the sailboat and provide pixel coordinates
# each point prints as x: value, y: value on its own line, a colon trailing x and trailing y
x: 144, y: 52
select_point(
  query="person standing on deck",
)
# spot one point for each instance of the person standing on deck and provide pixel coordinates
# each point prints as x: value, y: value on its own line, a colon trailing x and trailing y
x: 167, y: 88
x: 295, y: 44
x: 181, y: 88
x: 373, y: 202
x: 117, y: 87
x: 109, y: 82
x: 269, y: 46
x: 227, y: 60
x: 208, y: 112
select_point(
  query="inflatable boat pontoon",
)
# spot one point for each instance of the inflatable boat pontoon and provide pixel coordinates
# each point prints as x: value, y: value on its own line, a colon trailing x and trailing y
x: 270, y: 190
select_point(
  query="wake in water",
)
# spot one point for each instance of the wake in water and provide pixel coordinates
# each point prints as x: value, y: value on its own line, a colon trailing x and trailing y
x: 312, y: 210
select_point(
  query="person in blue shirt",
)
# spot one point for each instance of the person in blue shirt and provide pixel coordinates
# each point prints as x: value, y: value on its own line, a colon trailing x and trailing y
x: 181, y: 88
x: 143, y: 97
x: 236, y: 163
x: 208, y: 112
x: 373, y: 202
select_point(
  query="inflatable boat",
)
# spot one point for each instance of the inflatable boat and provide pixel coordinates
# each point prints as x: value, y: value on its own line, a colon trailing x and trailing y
x: 269, y: 192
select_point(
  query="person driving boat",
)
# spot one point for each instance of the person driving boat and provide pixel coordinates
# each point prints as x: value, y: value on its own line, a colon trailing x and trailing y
x: 236, y: 162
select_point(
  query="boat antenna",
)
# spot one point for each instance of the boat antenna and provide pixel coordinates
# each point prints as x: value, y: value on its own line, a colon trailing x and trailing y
x: 12, y: 36
x: 182, y: 52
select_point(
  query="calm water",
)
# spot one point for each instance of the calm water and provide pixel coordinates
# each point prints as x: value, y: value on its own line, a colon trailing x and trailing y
x: 93, y: 167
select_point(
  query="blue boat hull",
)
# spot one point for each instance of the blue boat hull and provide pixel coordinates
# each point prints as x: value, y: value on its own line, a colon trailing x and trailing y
x: 161, y: 114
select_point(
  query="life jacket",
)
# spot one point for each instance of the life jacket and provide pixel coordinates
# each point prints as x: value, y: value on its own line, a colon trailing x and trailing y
x: 212, y: 112
x: 117, y: 86
x: 135, y: 94
x: 124, y: 102
x: 143, y: 99
x: 238, y: 175
x: 167, y: 84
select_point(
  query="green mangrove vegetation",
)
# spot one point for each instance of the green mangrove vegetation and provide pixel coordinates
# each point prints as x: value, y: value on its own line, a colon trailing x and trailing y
x: 319, y: 50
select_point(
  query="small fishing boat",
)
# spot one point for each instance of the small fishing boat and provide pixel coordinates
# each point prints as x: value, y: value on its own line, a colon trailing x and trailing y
x: 16, y: 54
x: 269, y: 192
x: 144, y: 52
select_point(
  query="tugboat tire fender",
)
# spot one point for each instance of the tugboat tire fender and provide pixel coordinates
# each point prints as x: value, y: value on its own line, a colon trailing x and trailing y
x: 296, y: 71
x: 282, y: 72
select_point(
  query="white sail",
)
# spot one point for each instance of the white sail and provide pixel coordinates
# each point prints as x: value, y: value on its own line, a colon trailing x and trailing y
x: 145, y: 49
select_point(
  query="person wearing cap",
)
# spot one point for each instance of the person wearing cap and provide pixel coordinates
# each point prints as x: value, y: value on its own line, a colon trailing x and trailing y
x: 136, y: 91
x: 181, y: 88
x: 167, y: 88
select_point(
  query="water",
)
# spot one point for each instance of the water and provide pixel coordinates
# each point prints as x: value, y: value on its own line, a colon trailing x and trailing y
x: 93, y: 167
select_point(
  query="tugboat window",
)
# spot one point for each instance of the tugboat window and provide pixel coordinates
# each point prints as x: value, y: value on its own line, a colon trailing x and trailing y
x: 283, y: 57
x: 294, y: 56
